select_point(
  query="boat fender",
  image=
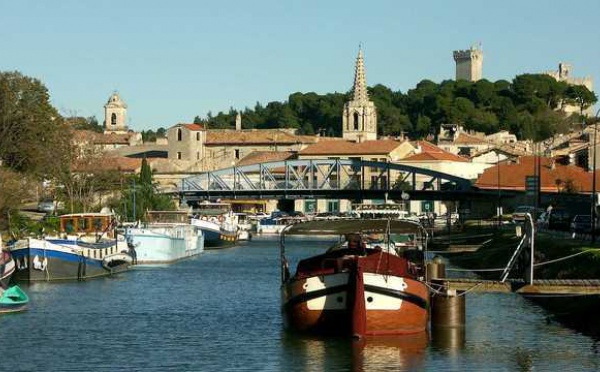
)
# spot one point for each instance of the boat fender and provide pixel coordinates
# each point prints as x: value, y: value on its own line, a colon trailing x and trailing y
x: 37, y: 264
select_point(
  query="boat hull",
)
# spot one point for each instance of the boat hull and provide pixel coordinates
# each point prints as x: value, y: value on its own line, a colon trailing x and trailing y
x: 56, y: 260
x: 214, y: 236
x: 326, y: 305
x: 164, y: 245
x: 13, y: 299
x: 7, y: 268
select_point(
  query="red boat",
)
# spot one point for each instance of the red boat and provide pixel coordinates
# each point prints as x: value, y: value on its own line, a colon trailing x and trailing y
x: 370, y: 283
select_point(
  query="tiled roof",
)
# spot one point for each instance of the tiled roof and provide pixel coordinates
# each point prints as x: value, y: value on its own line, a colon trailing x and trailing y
x: 377, y: 147
x: 118, y: 163
x: 512, y: 176
x: 255, y: 137
x: 194, y: 127
x: 430, y: 152
x: 257, y: 157
x: 469, y: 139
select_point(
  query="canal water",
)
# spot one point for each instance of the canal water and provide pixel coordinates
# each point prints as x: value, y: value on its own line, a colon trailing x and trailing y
x: 220, y: 312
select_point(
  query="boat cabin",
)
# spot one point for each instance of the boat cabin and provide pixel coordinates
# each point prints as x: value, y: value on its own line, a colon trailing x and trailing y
x: 87, y: 223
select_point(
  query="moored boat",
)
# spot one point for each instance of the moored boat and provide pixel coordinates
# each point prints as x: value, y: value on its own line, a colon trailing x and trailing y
x: 216, y: 235
x: 366, y: 285
x: 166, y: 237
x: 7, y: 266
x: 86, y: 246
x: 13, y: 299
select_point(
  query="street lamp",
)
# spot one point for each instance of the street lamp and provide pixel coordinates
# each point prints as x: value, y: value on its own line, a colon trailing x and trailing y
x: 594, y: 179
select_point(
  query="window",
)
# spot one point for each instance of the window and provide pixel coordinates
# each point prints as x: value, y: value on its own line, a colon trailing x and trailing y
x: 179, y: 134
x: 237, y: 153
x: 197, y: 136
x: 113, y: 119
x: 355, y: 121
x: 333, y: 206
x: 197, y: 155
x: 179, y: 155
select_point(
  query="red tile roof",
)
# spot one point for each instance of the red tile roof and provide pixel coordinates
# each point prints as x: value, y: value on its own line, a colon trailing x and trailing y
x: 257, y: 157
x: 430, y: 152
x: 194, y: 127
x: 553, y: 179
x: 341, y: 147
x: 255, y: 137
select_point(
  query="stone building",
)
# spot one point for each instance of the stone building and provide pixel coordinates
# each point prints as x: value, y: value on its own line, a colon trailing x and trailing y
x: 359, y: 119
x: 469, y: 64
x: 564, y: 74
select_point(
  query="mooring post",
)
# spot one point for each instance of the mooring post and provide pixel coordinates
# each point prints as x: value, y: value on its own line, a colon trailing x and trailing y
x: 531, y: 243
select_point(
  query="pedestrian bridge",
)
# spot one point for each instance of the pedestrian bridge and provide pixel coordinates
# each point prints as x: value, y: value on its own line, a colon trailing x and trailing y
x: 325, y: 178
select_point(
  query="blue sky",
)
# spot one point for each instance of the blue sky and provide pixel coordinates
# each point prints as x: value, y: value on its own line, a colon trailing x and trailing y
x: 173, y: 60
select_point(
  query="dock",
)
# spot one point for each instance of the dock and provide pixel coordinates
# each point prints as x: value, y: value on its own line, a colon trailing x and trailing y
x: 539, y: 287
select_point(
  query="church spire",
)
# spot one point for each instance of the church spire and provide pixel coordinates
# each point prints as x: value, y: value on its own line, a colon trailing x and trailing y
x: 360, y: 81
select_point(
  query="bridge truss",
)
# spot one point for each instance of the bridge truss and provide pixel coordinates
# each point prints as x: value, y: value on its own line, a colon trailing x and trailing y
x: 324, y: 178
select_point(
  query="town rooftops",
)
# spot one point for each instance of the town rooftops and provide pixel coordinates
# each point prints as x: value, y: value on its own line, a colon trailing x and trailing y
x: 255, y: 137
x: 257, y: 157
x: 342, y: 147
x: 554, y: 177
x: 430, y: 152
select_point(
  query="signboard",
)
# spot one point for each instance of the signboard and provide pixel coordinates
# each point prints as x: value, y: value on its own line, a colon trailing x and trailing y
x: 532, y: 184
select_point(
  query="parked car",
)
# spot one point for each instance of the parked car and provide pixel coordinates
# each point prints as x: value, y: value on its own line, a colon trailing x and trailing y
x: 559, y: 219
x: 581, y: 224
x: 50, y: 206
x: 519, y: 215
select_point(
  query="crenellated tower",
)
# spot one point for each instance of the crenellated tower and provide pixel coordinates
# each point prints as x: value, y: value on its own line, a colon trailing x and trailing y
x: 469, y: 64
x: 359, y: 119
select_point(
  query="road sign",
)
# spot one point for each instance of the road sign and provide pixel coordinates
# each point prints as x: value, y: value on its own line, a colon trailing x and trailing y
x: 532, y: 184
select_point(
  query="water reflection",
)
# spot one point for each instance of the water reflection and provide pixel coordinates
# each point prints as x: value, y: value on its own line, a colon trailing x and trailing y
x: 406, y: 352
x: 449, y: 339
x: 378, y: 353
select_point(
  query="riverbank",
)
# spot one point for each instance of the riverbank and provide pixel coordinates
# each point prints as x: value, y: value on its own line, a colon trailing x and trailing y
x: 557, y: 256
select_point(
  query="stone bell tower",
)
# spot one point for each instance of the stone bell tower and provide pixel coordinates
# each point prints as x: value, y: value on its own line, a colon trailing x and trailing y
x: 115, y: 115
x: 359, y: 119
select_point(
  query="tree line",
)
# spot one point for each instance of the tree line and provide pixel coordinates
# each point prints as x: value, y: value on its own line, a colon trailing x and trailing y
x: 528, y: 106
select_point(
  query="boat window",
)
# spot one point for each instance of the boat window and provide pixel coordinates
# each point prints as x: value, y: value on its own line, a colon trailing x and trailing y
x: 98, y: 224
x: 83, y: 224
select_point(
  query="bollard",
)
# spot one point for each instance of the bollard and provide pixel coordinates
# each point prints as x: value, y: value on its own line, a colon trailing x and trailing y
x: 448, y: 309
x: 436, y: 269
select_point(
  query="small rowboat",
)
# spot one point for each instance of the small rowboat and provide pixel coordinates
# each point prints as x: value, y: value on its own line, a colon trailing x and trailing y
x: 13, y: 299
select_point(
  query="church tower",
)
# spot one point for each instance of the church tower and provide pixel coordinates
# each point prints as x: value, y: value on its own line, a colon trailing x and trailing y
x: 115, y: 115
x: 469, y: 64
x: 359, y: 119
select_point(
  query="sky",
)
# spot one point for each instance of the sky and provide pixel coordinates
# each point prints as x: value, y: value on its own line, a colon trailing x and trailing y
x: 171, y: 61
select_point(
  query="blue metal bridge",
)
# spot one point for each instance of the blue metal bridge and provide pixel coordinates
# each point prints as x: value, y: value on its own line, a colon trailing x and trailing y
x: 327, y: 179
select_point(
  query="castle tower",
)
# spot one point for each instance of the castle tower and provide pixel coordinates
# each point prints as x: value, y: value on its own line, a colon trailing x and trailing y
x: 469, y: 64
x: 115, y: 115
x: 238, y: 121
x: 359, y: 119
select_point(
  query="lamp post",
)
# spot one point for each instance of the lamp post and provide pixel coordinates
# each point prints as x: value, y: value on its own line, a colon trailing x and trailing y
x: 499, y: 211
x: 594, y: 179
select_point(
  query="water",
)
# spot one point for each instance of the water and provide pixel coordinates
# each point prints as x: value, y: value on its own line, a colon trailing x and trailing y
x: 220, y: 312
